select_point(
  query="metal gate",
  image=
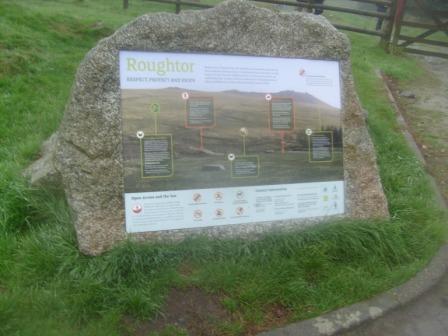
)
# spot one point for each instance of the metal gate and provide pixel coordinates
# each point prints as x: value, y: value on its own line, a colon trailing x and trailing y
x: 411, y: 35
x: 398, y: 29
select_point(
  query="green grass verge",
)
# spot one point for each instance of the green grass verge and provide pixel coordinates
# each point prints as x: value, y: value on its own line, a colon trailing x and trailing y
x: 47, y: 287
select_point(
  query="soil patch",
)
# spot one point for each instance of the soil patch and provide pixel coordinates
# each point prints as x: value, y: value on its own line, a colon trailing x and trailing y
x: 191, y: 309
x: 276, y: 315
x: 201, y: 314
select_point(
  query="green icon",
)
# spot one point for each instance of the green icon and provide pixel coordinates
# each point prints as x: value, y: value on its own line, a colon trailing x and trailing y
x: 154, y: 108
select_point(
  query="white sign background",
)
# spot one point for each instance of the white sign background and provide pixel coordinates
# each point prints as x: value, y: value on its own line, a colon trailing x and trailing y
x: 318, y: 78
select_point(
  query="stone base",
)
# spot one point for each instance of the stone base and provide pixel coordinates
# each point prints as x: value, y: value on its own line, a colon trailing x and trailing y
x: 86, y: 154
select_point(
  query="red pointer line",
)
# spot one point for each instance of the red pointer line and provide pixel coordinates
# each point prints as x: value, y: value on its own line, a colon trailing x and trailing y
x: 282, y: 137
x: 201, y: 136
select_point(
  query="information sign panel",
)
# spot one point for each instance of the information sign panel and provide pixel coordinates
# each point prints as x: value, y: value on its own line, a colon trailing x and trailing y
x: 220, y: 140
x: 157, y: 156
x: 245, y: 166
x: 282, y: 114
x: 321, y: 147
x: 200, y: 112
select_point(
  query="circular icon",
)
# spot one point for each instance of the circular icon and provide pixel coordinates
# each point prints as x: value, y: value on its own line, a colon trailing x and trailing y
x: 240, y: 194
x: 185, y: 95
x: 197, y: 214
x: 301, y: 72
x: 243, y: 131
x: 268, y: 97
x: 154, y: 108
x: 197, y: 197
x: 308, y: 131
x: 231, y: 157
x: 140, y: 134
x: 137, y: 208
x: 218, y: 196
x: 219, y: 212
x: 239, y: 211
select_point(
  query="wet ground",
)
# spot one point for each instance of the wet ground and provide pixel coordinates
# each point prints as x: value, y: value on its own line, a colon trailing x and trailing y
x: 424, y: 104
x: 427, y: 316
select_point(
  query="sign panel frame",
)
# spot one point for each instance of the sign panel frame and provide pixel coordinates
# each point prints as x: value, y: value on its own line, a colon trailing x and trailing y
x: 241, y: 91
x: 143, y: 160
x: 292, y: 118
x: 187, y: 115
x: 311, y: 148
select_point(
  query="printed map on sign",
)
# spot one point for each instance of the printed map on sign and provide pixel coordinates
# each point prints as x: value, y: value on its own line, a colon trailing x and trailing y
x: 218, y: 140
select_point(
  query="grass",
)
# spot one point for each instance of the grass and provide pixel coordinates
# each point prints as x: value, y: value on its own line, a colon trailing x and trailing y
x: 46, y: 285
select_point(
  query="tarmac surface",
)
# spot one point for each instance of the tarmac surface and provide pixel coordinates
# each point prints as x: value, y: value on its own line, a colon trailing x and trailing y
x: 426, y: 316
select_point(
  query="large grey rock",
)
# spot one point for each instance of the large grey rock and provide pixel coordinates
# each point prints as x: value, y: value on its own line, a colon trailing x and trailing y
x: 43, y: 172
x: 87, y: 150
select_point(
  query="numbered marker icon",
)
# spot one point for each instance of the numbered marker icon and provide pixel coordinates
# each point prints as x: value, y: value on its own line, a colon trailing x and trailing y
x: 185, y: 96
x: 140, y: 134
x: 154, y: 108
x: 243, y: 131
x: 231, y: 157
x: 308, y: 131
x: 268, y: 97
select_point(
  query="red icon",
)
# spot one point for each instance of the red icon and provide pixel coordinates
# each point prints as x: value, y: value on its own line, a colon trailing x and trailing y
x: 239, y: 211
x: 197, y: 214
x: 197, y: 197
x: 137, y: 208
x: 240, y: 194
x: 218, y: 196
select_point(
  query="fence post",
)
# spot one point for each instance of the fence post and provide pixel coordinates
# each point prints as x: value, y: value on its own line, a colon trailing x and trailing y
x: 125, y: 4
x: 310, y: 6
x: 399, y: 13
x: 178, y: 3
x: 389, y: 26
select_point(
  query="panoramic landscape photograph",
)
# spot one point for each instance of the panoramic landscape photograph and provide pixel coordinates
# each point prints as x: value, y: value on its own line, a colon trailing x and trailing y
x: 283, y: 155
